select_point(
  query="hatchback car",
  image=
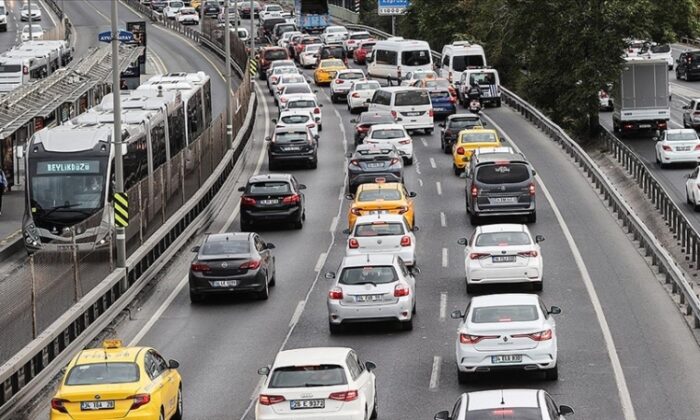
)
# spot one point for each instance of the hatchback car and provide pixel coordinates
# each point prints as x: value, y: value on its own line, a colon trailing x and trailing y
x: 383, y: 234
x: 272, y: 198
x: 691, y: 114
x: 454, y: 125
x: 306, y: 102
x: 506, y: 332
x: 292, y: 145
x: 360, y: 93
x: 677, y: 146
x: 502, y: 253
x: 395, y: 135
x: 390, y: 197
x: 267, y: 56
x: 444, y: 104
x: 359, y: 56
x: 305, y: 40
x: 367, y: 120
x: 341, y: 84
x: 309, y: 55
x: 688, y: 65
x: 299, y: 119
x: 232, y: 263
x: 187, y: 16
x: 530, y: 404
x: 318, y: 382
x: 468, y: 141
x: 354, y: 40
x: 371, y: 288
x: 371, y: 164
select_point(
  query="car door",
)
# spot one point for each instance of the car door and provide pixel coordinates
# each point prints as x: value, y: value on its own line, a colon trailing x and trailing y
x: 407, y: 276
x: 265, y: 257
x: 411, y: 211
x: 163, y: 382
x: 459, y: 410
x: 690, y: 182
x: 363, y: 379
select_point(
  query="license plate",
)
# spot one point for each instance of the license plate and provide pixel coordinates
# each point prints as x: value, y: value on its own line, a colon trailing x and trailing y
x: 644, y: 125
x: 302, y: 404
x: 269, y: 202
x: 224, y: 283
x: 375, y: 165
x: 683, y: 149
x: 368, y: 298
x: 291, y: 149
x: 377, y: 212
x: 97, y: 405
x: 504, y: 200
x: 412, y: 114
x: 507, y: 358
x: 503, y: 258
x: 379, y: 180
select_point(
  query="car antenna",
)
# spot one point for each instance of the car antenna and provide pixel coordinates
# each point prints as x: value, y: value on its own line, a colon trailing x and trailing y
x: 503, y: 402
x: 367, y: 257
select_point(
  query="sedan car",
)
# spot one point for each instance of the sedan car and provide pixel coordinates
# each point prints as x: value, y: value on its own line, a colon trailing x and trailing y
x: 354, y: 40
x: 360, y: 54
x: 327, y: 69
x: 307, y: 102
x: 297, y: 118
x: 360, y: 93
x: 367, y: 120
x: 452, y: 127
x: 292, y: 145
x: 467, y: 142
x: 37, y: 33
x: 334, y: 34
x: 502, y: 253
x: 372, y: 164
x: 371, y: 288
x: 680, y: 145
x: 381, y: 197
x: 126, y: 382
x: 692, y: 189
x: 272, y: 198
x: 341, y: 84
x: 319, y: 383
x: 211, y: 8
x: 444, y: 104
x: 530, y: 404
x: 309, y: 55
x: 188, y: 16
x: 24, y: 14
x: 691, y: 114
x: 383, y: 234
x: 230, y: 263
x: 392, y: 135
x: 284, y: 91
x: 506, y: 332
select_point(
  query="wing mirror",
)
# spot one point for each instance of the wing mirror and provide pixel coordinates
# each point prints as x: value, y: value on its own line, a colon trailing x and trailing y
x: 442, y: 124
x: 268, y: 138
x: 329, y: 275
x: 414, y: 270
x: 353, y: 121
x: 195, y: 249
x: 264, y: 371
x: 554, y: 310
x: 274, y: 120
x: 346, y: 231
x: 350, y: 196
x: 270, y: 246
x: 320, y: 105
x: 565, y: 410
x: 241, y: 189
x: 412, y: 194
x: 539, y: 238
x: 316, y: 137
x: 302, y: 186
x: 415, y: 229
x: 348, y: 155
x: 462, y: 241
x: 173, y: 364
x: 443, y: 415
x: 370, y: 365
x: 457, y: 314
x: 534, y: 172
x: 685, y: 106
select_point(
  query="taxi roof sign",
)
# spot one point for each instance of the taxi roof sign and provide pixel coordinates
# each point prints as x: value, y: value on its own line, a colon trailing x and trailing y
x: 112, y: 343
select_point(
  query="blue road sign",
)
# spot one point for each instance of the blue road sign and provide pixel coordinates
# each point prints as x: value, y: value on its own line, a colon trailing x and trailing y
x: 124, y: 36
x: 392, y: 7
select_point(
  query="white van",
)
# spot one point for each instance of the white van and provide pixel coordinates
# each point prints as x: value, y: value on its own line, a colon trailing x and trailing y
x: 393, y: 59
x: 459, y: 56
x: 489, y: 84
x: 410, y: 106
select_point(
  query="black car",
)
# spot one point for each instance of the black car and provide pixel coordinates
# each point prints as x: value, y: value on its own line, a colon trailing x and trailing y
x: 368, y: 119
x: 373, y: 164
x: 272, y: 198
x: 158, y: 5
x: 211, y: 8
x: 453, y: 125
x: 292, y: 145
x: 332, y: 51
x: 244, y: 7
x: 500, y: 184
x: 688, y: 65
x: 232, y: 262
x: 268, y: 24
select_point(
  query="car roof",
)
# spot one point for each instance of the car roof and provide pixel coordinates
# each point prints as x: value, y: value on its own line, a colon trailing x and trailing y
x: 463, y: 117
x: 501, y: 156
x: 312, y: 355
x: 295, y: 111
x: 386, y: 217
x: 680, y: 130
x: 102, y: 355
x: 376, y: 127
x: 503, y: 398
x: 392, y: 89
x: 504, y: 299
x: 270, y: 177
x: 501, y: 227
x: 366, y: 260
x: 222, y: 237
x: 374, y: 186
x: 296, y: 96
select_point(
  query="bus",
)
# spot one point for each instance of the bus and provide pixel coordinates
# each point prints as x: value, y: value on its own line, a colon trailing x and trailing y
x: 311, y: 15
x: 30, y: 61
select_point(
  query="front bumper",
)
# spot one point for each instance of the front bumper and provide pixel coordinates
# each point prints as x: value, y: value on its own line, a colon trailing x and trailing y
x: 544, y: 356
x: 399, y: 311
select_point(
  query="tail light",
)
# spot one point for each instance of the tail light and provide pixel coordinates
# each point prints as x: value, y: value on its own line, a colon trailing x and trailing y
x: 393, y: 161
x: 283, y: 99
x: 697, y: 147
x: 57, y: 404
x: 477, y: 255
x: 406, y: 241
x: 356, y: 211
x: 532, y: 253
x: 344, y: 396
x: 292, y: 199
x: 353, y: 243
x: 538, y: 336
x: 431, y: 113
x: 273, y: 79
x: 355, y: 162
x: 250, y: 265
x: 460, y: 150
x: 139, y: 400
x: 393, y: 114
x: 199, y: 267
x: 403, y: 209
x: 475, y: 191
x: 25, y: 70
x: 310, y: 125
x: 661, y: 125
x: 355, y: 95
x: 317, y: 110
x: 401, y: 290
x: 407, y: 141
x: 666, y: 148
x: 362, y: 129
x: 270, y: 399
x: 473, y: 339
x: 339, y: 82
x: 531, y: 188
x: 335, y: 293
x: 247, y: 201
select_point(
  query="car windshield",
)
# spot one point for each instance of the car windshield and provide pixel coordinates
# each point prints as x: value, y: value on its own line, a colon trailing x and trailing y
x: 520, y: 413
x: 270, y: 187
x: 368, y: 275
x: 285, y: 70
x: 103, y: 373
x: 234, y: 246
x: 275, y: 55
x: 274, y: 8
x: 441, y: 83
x: 301, y: 104
x: 297, y: 78
x: 297, y: 88
x: 332, y: 63
x: 440, y: 95
x: 378, y: 229
x: 478, y: 138
x: 412, y: 98
x: 506, y: 313
x: 415, y: 58
x: 483, y: 78
x: 394, y: 133
x: 351, y: 76
x: 177, y: 4
x: 464, y: 122
x: 295, y: 119
x: 682, y: 136
x: 366, y: 86
x: 307, y: 376
x: 462, y: 62
x: 383, y: 194
x: 313, y: 49
x: 336, y: 30
x: 293, y: 137
x: 503, y: 173
x: 188, y: 12
x: 503, y: 239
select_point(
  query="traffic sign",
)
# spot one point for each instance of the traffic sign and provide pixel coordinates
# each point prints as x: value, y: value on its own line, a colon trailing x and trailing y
x: 121, y: 209
x: 392, y: 7
x: 124, y: 36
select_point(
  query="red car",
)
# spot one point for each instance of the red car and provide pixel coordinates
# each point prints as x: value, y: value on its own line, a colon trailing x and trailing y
x: 298, y: 47
x: 360, y: 55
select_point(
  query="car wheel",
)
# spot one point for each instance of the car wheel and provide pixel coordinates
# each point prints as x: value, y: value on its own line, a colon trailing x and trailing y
x: 446, y: 148
x: 537, y: 286
x: 320, y: 127
x: 464, y: 377
x: 178, y: 413
x: 407, y: 325
x: 335, y: 328
x: 428, y: 131
x: 471, y: 288
x: 696, y: 207
x: 498, y: 103
x: 314, y: 164
x: 299, y: 224
x: 264, y: 293
x: 409, y: 161
x: 552, y: 374
x: 473, y: 219
x: 334, y: 99
x: 456, y: 170
x: 162, y: 414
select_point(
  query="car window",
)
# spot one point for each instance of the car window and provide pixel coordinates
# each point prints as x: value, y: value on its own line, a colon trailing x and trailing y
x: 351, y: 76
x: 221, y: 247
x: 502, y: 173
x: 379, y: 194
x: 462, y: 62
x: 332, y: 63
x: 103, y: 373
x: 482, y: 78
x: 374, y: 118
x: 506, y: 313
x: 412, y: 98
x: 520, y: 413
x: 353, y: 367
x: 478, y: 138
x: 455, y: 410
x: 293, y: 137
x: 681, y: 136
x: 459, y: 123
x: 259, y: 244
x: 295, y: 119
x: 415, y: 58
x: 300, y: 88
x: 378, y: 229
x: 551, y: 407
x: 307, y: 376
x: 270, y: 187
x: 402, y: 266
x: 503, y: 239
x: 446, y: 60
x: 386, y: 57
x: 302, y: 103
x: 275, y: 55
x: 387, y: 134
x: 367, y: 275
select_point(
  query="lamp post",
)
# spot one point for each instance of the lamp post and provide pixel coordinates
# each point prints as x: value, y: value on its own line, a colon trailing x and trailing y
x: 117, y: 135
x: 227, y: 47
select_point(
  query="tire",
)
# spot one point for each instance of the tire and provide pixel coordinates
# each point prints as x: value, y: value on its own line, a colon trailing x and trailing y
x: 409, y: 161
x: 299, y: 224
x: 273, y: 281
x: 335, y: 328
x: 532, y: 218
x: 471, y: 288
x: 537, y: 286
x: 552, y: 374
x: 320, y: 127
x: 265, y: 292
x: 334, y: 99
x: 464, y: 377
x: 498, y: 103
x: 696, y: 207
x: 178, y: 413
x: 473, y: 219
x: 375, y: 408
x: 678, y: 77
x: 687, y: 197
x: 407, y: 325
x: 196, y: 297
x: 314, y: 164
x: 456, y: 170
x: 428, y: 131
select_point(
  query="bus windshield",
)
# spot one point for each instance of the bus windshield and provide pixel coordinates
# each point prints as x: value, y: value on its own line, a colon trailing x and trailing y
x: 67, y: 185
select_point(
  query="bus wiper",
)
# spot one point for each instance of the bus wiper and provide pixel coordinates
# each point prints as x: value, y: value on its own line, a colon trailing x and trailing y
x: 65, y: 206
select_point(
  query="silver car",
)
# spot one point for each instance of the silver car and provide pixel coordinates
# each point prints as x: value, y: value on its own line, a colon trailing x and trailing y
x: 372, y: 288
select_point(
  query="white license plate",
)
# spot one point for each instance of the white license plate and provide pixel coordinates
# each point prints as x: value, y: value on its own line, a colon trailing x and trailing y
x: 644, y: 125
x: 302, y: 404
x: 375, y: 165
x: 503, y: 258
x: 97, y: 405
x: 504, y: 200
x: 269, y: 202
x: 507, y: 358
x: 412, y: 114
x: 683, y: 149
x: 368, y: 298
x: 291, y: 149
x: 224, y: 283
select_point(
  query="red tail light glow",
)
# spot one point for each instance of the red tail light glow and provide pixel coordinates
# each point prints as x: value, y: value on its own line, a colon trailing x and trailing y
x: 531, y: 188
x: 344, y: 396
x: 310, y: 125
x: 270, y: 399
x: 393, y: 161
x: 460, y: 150
x: 666, y: 148
x: 393, y: 114
x: 25, y: 70
x: 335, y: 294
x: 477, y: 255
x: 431, y: 113
x: 356, y: 211
x: 355, y: 95
x: 247, y: 201
x: 473, y: 339
x: 353, y: 243
x: 362, y: 128
x: 407, y: 141
x: 406, y: 240
x: 250, y: 265
x: 57, y: 404
x: 355, y: 162
x: 292, y: 199
x: 403, y: 209
x: 697, y: 147
x: 532, y: 253
x: 538, y: 336
x: 661, y: 125
x: 339, y: 82
x: 401, y: 290
x: 199, y: 267
x: 317, y: 110
x: 139, y: 400
x: 475, y: 191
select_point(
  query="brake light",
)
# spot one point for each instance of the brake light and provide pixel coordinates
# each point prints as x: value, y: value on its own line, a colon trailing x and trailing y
x: 502, y: 412
x: 273, y: 79
x: 532, y: 253
x: 431, y: 113
x: 460, y: 150
x: 401, y: 290
x: 292, y: 199
x: 310, y: 125
x: 57, y: 404
x: 335, y: 294
x: 353, y: 243
x: 697, y: 147
x: 247, y: 201
x: 531, y: 188
x: 270, y: 399
x: 477, y: 255
x: 25, y: 70
x: 339, y: 82
x: 362, y: 128
x: 666, y: 148
x: 407, y: 141
x: 139, y: 400
x: 406, y: 241
x: 393, y: 161
x: 355, y: 95
x: 199, y: 267
x: 538, y: 336
x: 661, y: 125
x: 393, y: 114
x: 317, y: 110
x: 356, y: 211
x: 250, y: 265
x: 283, y: 99
x: 344, y: 396
x: 403, y: 209
x: 473, y: 339
x: 355, y: 162
x: 475, y: 191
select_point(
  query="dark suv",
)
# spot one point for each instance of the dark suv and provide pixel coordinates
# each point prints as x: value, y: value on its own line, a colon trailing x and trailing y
x: 500, y: 184
x: 453, y: 125
x: 688, y: 65
x: 272, y: 198
x: 211, y: 8
x: 373, y: 164
x: 267, y: 56
x: 292, y: 145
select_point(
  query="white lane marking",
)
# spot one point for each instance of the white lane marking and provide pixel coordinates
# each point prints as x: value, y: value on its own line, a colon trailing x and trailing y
x: 420, y: 181
x: 321, y: 260
x: 621, y: 382
x: 425, y: 143
x: 432, y: 163
x: 341, y: 196
x: 50, y: 13
x: 156, y: 316
x: 435, y: 373
x: 297, y: 313
x: 416, y: 164
x: 443, y: 220
x: 443, y: 305
x: 438, y: 185
x: 334, y: 224
x: 444, y: 257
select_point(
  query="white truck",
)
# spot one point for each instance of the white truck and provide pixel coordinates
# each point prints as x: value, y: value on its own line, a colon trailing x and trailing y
x: 641, y: 97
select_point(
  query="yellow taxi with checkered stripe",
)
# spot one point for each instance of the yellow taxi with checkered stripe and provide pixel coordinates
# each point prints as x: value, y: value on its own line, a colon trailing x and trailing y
x: 117, y: 382
x: 327, y: 69
x: 390, y: 197
x: 470, y: 140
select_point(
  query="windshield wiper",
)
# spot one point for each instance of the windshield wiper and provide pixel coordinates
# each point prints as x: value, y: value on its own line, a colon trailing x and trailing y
x: 67, y: 206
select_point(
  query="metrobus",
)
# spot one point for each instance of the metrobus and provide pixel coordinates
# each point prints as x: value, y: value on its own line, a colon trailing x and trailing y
x: 32, y: 60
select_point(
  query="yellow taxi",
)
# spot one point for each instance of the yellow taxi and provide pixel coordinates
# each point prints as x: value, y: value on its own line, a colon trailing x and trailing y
x: 119, y: 382
x: 196, y: 4
x: 470, y: 140
x: 390, y: 197
x: 327, y: 69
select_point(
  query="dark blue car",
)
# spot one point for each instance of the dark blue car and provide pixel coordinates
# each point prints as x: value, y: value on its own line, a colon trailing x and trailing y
x: 443, y: 103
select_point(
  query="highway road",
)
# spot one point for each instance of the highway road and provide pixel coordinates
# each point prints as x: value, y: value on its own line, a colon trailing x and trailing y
x: 14, y: 26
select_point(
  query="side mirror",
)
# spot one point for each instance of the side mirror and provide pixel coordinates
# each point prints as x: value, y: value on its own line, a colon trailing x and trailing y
x: 350, y: 196
x: 414, y: 269
x: 241, y: 189
x: 195, y: 249
x: 315, y: 90
x: 348, y: 155
x: 353, y: 121
x: 173, y: 364
x: 534, y: 172
x: 329, y: 275
x: 456, y: 314
x: 462, y: 241
x: 268, y: 138
x: 346, y: 231
x: 483, y: 124
x: 320, y: 105
x: 539, y: 238
x: 655, y: 138
x: 412, y: 194
x: 565, y: 410
x: 274, y: 120
x: 415, y: 229
x: 302, y: 186
x: 269, y: 246
x: 370, y: 365
x: 442, y: 124
x: 554, y: 310
x: 264, y: 371
x: 443, y: 415
x: 458, y: 83
x: 685, y: 106
x: 398, y: 119
x: 316, y: 137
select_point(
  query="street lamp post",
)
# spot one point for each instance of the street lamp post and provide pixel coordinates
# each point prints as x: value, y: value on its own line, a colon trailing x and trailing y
x: 29, y: 4
x: 227, y: 46
x: 117, y: 135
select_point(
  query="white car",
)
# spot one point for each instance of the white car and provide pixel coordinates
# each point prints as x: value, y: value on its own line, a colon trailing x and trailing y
x: 680, y: 145
x: 371, y: 288
x: 172, y: 8
x: 309, y: 55
x: 506, y: 331
x: 318, y: 383
x: 285, y: 89
x: 414, y: 76
x: 270, y: 10
x: 658, y: 52
x: 533, y: 404
x: 382, y: 234
x: 279, y: 63
x: 297, y: 119
x: 354, y: 39
x: 692, y: 189
x: 274, y: 77
x: 360, y: 94
x: 242, y: 34
x: 392, y: 134
x: 334, y: 34
x: 305, y: 102
x: 502, y: 253
x: 188, y: 16
x: 37, y: 33
x: 634, y: 46
x: 284, y: 39
x: 341, y: 84
x: 35, y: 13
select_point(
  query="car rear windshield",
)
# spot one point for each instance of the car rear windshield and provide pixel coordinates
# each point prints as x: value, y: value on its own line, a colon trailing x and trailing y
x: 682, y: 136
x: 503, y: 239
x: 332, y: 63
x: 479, y: 138
x: 461, y: 62
x: 415, y: 58
x: 368, y: 46
x: 388, y: 134
x: 336, y: 52
x: 301, y: 104
x: 519, y: 413
x: 10, y: 68
x: 464, y: 122
x: 360, y: 36
x: 275, y: 55
x: 270, y: 187
x: 293, y: 137
x: 285, y: 70
x: 313, y: 49
x: 376, y: 118
x: 351, y: 76
x: 306, y: 41
x: 440, y: 95
x: 659, y: 49
x: 379, y: 229
x: 292, y: 78
x: 503, y: 173
x: 367, y: 86
x: 506, y: 313
x: 103, y: 373
x: 233, y: 246
x: 694, y: 56
x: 380, y: 194
x: 295, y: 119
x: 297, y: 89
x: 307, y: 376
x: 368, y: 275
x: 412, y: 98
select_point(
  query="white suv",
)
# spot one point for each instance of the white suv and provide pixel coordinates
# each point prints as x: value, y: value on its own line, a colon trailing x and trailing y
x: 341, y: 84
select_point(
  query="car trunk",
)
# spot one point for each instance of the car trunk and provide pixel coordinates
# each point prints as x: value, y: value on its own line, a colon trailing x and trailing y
x: 108, y: 394
x: 375, y: 163
x: 683, y: 146
x: 368, y: 294
x: 224, y: 265
x: 380, y: 206
x: 498, y: 257
x: 505, y: 341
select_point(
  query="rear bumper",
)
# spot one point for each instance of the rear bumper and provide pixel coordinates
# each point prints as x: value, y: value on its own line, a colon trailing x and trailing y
x: 399, y: 311
x: 293, y: 157
x: 523, y: 274
x: 266, y: 413
x: 505, y: 210
x: 539, y: 358
x: 680, y: 157
x: 289, y: 215
x: 250, y: 282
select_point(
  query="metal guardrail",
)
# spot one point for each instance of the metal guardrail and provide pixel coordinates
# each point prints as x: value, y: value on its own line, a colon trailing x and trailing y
x: 691, y: 41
